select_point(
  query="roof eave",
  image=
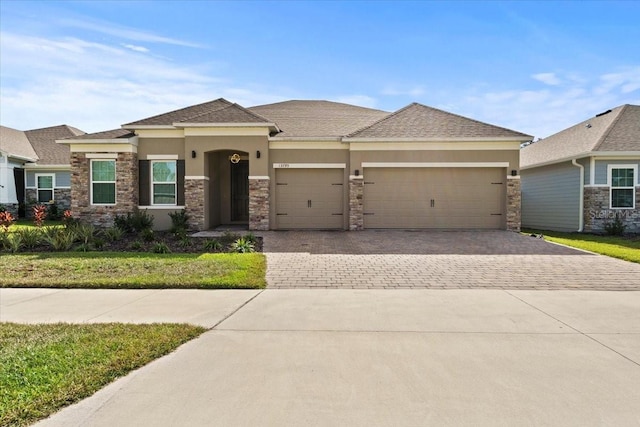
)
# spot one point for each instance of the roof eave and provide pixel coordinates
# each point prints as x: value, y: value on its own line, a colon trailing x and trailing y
x: 305, y: 138
x: 132, y: 141
x: 521, y: 139
x: 581, y: 156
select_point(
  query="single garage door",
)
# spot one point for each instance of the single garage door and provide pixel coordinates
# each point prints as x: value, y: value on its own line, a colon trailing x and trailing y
x: 434, y: 198
x: 309, y: 198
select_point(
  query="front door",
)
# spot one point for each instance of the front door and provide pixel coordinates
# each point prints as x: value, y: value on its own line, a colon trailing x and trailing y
x: 240, y: 191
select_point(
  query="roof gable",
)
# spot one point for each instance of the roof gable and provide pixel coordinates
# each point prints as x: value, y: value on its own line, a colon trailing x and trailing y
x: 16, y: 144
x: 614, y: 130
x: 417, y: 121
x: 216, y: 111
x: 313, y: 118
x: 44, y: 143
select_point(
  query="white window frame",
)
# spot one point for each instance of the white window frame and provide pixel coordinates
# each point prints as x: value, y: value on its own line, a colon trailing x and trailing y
x: 53, y: 187
x: 610, y: 169
x: 175, y: 183
x: 114, y: 182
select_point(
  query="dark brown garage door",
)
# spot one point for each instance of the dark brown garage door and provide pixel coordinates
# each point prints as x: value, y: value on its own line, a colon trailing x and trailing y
x: 309, y: 198
x: 434, y: 198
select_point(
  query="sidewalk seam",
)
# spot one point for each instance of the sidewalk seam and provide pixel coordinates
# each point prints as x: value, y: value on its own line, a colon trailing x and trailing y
x: 236, y: 310
x: 575, y: 329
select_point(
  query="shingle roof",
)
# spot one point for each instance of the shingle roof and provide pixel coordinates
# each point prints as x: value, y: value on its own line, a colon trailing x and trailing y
x: 44, y: 143
x: 419, y: 121
x: 217, y: 111
x: 107, y: 134
x: 15, y: 142
x: 615, y: 130
x: 317, y: 118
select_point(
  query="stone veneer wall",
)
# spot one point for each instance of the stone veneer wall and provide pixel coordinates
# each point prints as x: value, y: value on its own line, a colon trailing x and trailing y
x: 194, y: 202
x: 514, y: 204
x: 12, y: 208
x: 258, y: 204
x: 61, y: 196
x: 597, y: 212
x: 356, y: 207
x: 126, y: 189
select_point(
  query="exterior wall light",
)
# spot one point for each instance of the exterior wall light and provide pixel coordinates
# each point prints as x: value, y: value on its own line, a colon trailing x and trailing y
x: 193, y: 154
x: 257, y: 154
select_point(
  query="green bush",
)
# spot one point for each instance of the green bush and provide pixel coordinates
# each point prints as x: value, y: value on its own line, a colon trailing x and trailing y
x: 161, y: 248
x: 60, y: 238
x: 31, y: 237
x: 136, y: 221
x: 212, y: 245
x: 242, y: 245
x: 14, y: 243
x: 179, y: 222
x: 136, y: 245
x: 113, y: 234
x: 147, y: 235
x: 615, y: 228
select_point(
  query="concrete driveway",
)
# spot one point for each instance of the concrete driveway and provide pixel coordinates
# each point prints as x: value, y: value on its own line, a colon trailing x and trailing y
x: 437, y: 259
x: 383, y: 358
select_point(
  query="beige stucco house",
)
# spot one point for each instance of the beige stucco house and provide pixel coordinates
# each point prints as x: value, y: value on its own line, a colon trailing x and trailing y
x: 302, y: 165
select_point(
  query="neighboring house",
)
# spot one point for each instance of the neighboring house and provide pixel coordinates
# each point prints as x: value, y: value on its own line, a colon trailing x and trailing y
x: 15, y: 152
x: 41, y: 169
x: 585, y: 176
x: 302, y: 165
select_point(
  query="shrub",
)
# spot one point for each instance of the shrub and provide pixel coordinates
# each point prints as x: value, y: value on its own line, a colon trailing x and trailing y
x: 161, y: 248
x: 138, y: 221
x: 98, y: 243
x: 53, y: 212
x: 59, y: 238
x: 147, y: 235
x: 184, y: 242
x: 68, y: 220
x: 31, y: 237
x: 39, y: 215
x: 84, y: 233
x: 229, y: 237
x: 14, y: 243
x: 250, y: 237
x: 136, y: 245
x: 615, y: 228
x: 113, y: 234
x: 6, y: 219
x: 179, y: 222
x: 242, y: 245
x: 212, y: 245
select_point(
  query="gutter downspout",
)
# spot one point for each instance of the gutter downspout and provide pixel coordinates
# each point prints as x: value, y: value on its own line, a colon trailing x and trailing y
x: 581, y: 216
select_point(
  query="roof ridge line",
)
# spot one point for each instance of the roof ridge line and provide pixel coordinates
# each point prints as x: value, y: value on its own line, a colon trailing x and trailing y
x: 380, y: 120
x: 608, y: 130
x: 179, y: 109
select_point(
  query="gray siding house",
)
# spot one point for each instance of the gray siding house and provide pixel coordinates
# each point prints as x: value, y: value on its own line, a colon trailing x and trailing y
x: 585, y: 176
x: 34, y: 169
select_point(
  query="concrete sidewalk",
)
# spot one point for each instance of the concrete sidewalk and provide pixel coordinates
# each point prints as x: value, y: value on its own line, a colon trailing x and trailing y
x: 371, y: 358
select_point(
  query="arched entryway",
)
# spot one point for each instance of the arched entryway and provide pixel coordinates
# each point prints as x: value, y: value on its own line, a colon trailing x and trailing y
x: 228, y: 188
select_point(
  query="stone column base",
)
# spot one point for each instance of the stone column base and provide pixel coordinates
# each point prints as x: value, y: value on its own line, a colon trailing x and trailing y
x: 194, y: 201
x: 259, y: 203
x: 356, y: 206
x: 514, y: 203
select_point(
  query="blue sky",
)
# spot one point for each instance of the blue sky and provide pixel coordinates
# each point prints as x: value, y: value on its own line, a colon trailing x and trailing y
x: 535, y: 67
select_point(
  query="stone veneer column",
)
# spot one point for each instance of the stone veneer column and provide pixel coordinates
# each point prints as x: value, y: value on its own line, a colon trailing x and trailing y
x: 356, y: 207
x: 126, y: 189
x: 194, y: 192
x: 514, y: 203
x: 259, y: 203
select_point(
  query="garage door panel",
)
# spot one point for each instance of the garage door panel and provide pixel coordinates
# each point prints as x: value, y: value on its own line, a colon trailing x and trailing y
x: 309, y: 198
x: 434, y: 198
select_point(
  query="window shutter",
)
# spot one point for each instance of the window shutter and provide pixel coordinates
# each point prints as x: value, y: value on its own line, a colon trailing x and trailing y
x: 180, y: 182
x: 144, y: 191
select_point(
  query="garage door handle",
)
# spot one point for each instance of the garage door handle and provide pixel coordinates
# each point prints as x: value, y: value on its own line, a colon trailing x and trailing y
x: 337, y: 183
x: 497, y: 183
x: 496, y: 214
x: 368, y: 213
x: 281, y: 183
x: 369, y: 182
x: 308, y: 203
x: 280, y: 214
x: 336, y: 214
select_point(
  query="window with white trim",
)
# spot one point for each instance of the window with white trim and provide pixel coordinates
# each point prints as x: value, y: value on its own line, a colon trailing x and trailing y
x: 622, y: 191
x: 163, y: 182
x: 44, y: 186
x: 103, y: 182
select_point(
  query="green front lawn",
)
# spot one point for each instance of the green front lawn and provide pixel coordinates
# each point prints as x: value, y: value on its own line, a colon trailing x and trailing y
x: 132, y: 270
x: 626, y: 248
x: 46, y: 367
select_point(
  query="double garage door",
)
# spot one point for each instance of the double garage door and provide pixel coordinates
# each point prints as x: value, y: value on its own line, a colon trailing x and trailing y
x: 451, y: 198
x: 434, y: 198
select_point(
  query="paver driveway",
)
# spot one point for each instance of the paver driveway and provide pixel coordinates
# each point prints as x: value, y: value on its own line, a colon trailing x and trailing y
x: 437, y: 259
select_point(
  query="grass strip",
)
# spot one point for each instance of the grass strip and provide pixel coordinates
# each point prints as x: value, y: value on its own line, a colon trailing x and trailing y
x: 625, y: 248
x: 132, y: 270
x: 46, y: 367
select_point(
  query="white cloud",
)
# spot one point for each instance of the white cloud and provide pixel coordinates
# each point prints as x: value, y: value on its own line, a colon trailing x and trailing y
x: 136, y: 48
x: 547, y: 78
x: 85, y: 23
x: 95, y: 86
